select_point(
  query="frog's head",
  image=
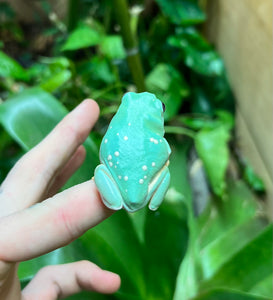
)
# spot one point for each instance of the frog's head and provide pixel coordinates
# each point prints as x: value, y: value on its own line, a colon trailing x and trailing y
x: 146, y: 109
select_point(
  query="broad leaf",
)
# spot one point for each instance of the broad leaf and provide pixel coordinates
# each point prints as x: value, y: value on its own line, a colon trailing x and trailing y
x: 56, y: 81
x: 220, y: 251
x: 11, y: 68
x: 169, y: 86
x: 226, y: 294
x: 221, y: 217
x: 212, y: 147
x: 248, y: 267
x: 82, y: 37
x: 198, y: 54
x: 185, y: 12
x: 112, y: 47
x: 114, y: 245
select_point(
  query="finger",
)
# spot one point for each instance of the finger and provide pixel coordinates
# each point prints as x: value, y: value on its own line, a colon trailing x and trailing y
x: 29, y: 179
x: 68, y: 170
x: 60, y: 281
x: 51, y: 224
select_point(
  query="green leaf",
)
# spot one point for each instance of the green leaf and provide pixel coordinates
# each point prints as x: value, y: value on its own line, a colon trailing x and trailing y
x: 248, y: 267
x: 169, y: 238
x: 253, y: 180
x: 239, y: 207
x: 215, y: 255
x: 189, y: 272
x: 10, y: 68
x: 112, y: 47
x: 182, y: 12
x: 82, y: 37
x: 198, y: 53
x: 56, y: 81
x: 114, y: 245
x: 96, y: 70
x: 169, y: 86
x: 226, y: 294
x: 264, y: 287
x: 212, y: 148
x: 29, y: 116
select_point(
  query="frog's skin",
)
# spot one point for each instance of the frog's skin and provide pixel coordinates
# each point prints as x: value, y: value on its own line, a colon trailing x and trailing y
x: 134, y: 155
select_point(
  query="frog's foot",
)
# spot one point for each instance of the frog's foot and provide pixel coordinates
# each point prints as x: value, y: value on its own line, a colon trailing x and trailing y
x: 158, y: 188
x: 107, y: 187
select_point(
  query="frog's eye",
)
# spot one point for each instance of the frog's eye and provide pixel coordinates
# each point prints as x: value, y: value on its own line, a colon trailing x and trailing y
x: 163, y: 107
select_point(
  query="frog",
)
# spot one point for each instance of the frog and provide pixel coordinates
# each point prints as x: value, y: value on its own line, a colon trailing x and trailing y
x: 134, y: 155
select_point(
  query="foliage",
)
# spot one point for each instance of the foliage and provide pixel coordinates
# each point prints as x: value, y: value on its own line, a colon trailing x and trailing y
x: 173, y: 253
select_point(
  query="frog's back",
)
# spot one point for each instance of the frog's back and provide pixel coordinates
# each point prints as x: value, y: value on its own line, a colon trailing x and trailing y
x: 133, y: 152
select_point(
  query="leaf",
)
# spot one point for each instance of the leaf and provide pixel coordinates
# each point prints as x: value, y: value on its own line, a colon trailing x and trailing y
x: 212, y: 148
x: 56, y: 81
x: 222, y: 249
x: 188, y: 272
x: 112, y: 47
x: 253, y: 180
x: 10, y: 68
x: 96, y: 70
x: 29, y: 116
x: 182, y: 12
x: 226, y: 294
x: 264, y: 287
x: 249, y: 266
x: 239, y: 207
x: 198, y: 53
x: 114, y: 245
x: 82, y: 37
x: 170, y: 238
x: 169, y: 86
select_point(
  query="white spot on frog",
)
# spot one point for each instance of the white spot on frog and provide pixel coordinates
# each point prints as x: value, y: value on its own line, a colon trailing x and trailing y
x: 125, y: 178
x: 110, y: 164
x: 118, y: 133
x: 116, y: 153
x: 119, y: 177
x: 109, y: 157
x: 144, y: 168
x: 153, y: 164
x: 125, y: 138
x: 145, y: 177
x: 129, y: 124
x: 141, y: 181
x: 105, y: 141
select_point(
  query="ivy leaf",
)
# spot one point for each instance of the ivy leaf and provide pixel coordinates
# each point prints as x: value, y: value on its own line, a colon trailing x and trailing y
x: 112, y: 47
x: 198, y: 53
x: 11, y: 68
x: 169, y: 86
x: 185, y: 12
x: 82, y: 37
x: 212, y: 148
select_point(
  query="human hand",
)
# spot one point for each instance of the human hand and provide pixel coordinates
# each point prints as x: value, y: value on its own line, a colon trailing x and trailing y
x: 58, y: 218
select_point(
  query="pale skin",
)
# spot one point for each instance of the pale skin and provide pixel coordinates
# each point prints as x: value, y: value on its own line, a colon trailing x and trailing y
x: 59, y: 217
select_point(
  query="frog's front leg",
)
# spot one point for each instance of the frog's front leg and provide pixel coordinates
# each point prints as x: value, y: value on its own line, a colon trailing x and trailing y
x: 158, y: 188
x: 108, y: 188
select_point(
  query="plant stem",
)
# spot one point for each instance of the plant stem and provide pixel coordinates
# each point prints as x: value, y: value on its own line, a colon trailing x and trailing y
x: 130, y: 43
x: 180, y: 130
x: 73, y: 14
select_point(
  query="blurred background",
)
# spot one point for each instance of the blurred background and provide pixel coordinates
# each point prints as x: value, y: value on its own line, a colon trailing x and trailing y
x: 209, y: 62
